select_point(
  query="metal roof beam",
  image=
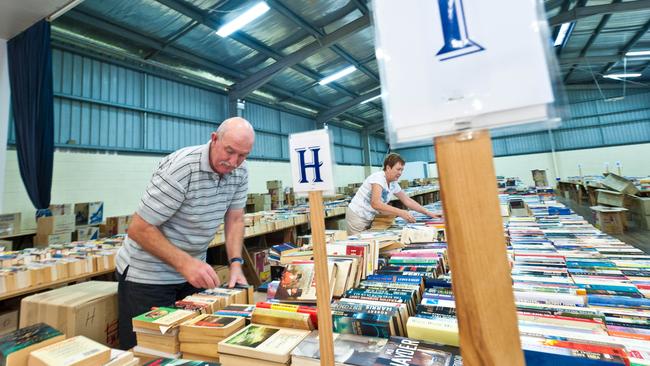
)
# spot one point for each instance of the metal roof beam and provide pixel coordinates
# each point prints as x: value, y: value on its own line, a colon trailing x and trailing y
x: 373, y: 128
x: 181, y: 54
x: 197, y: 15
x: 591, y: 40
x: 318, y: 34
x: 258, y: 79
x: 337, y: 110
x: 588, y: 11
x: 628, y: 46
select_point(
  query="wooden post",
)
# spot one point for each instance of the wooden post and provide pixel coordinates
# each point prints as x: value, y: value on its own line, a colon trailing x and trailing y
x: 482, y: 282
x: 325, y: 333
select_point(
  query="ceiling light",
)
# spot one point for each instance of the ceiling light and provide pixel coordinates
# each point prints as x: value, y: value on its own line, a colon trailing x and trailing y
x: 622, y: 76
x: 371, y: 99
x: 246, y: 17
x: 638, y: 53
x: 337, y: 75
x: 562, y: 34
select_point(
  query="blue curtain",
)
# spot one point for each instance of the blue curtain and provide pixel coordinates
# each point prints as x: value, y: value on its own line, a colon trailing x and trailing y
x: 30, y: 76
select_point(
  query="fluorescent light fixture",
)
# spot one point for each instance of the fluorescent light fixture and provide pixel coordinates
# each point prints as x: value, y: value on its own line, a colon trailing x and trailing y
x: 353, y: 124
x: 246, y: 17
x: 561, y: 35
x: 371, y: 99
x: 337, y: 75
x: 638, y: 53
x: 622, y: 76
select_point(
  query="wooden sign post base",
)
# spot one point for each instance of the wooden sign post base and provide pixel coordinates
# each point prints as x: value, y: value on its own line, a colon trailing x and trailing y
x: 482, y: 284
x: 325, y: 333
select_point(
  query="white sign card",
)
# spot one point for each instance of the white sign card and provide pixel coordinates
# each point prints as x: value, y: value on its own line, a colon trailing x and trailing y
x: 450, y: 65
x: 311, y: 161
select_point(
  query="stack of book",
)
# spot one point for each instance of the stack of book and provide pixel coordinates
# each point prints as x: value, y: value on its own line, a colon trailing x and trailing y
x: 257, y: 345
x: 157, y: 332
x: 199, y: 336
x: 237, y: 310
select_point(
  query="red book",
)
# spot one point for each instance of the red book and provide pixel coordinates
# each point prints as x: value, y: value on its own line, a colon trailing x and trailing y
x: 291, y: 307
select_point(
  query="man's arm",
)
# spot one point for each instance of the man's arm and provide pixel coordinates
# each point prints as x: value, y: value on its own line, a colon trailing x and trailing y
x: 198, y: 273
x: 413, y: 205
x: 234, y: 230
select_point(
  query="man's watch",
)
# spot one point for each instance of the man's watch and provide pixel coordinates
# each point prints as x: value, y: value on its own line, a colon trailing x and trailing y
x: 239, y: 260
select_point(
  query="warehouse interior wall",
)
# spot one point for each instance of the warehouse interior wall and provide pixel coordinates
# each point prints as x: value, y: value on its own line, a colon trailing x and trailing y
x: 633, y: 160
x: 120, y: 179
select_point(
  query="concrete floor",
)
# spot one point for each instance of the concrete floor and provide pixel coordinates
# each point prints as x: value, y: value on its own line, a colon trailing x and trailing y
x: 636, y: 237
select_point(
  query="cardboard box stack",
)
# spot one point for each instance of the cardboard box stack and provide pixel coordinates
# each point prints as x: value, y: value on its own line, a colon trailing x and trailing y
x: 115, y: 225
x: 89, y: 213
x: 88, y: 309
x: 258, y: 202
x: 276, y: 192
x: 10, y: 224
x: 55, y: 229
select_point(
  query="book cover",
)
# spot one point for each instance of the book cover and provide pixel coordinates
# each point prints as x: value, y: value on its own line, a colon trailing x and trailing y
x: 177, y: 362
x: 73, y: 351
x: 162, y: 318
x: 349, y: 349
x: 410, y: 352
x: 15, y: 346
x: 263, y: 342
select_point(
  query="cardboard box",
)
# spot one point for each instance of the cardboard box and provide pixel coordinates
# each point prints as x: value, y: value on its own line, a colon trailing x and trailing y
x: 89, y: 213
x: 43, y: 240
x: 6, y: 246
x: 8, y: 321
x: 115, y: 225
x: 88, y: 309
x: 639, y: 205
x: 609, y: 198
x: 55, y: 224
x: 86, y: 233
x: 610, y: 220
x: 62, y: 209
x: 273, y: 184
x: 9, y: 224
x: 261, y: 202
x: 619, y: 184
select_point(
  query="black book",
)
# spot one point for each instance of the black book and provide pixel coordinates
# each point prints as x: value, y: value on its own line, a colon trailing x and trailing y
x: 401, y: 351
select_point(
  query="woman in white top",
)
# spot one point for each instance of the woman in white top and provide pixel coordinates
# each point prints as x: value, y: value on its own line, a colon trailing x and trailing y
x: 374, y: 194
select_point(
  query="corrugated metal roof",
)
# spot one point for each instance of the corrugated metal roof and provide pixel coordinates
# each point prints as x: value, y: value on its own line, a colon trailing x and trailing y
x: 165, y: 32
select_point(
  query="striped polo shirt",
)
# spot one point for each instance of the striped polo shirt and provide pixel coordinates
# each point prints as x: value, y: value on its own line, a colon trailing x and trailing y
x: 187, y: 201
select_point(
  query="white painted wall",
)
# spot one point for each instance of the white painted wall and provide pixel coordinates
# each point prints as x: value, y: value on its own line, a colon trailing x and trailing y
x: 119, y: 180
x: 4, y: 111
x: 635, y: 161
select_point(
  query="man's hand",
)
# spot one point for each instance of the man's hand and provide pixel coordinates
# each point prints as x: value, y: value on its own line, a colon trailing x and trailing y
x: 236, y: 275
x: 407, y: 216
x: 199, y: 274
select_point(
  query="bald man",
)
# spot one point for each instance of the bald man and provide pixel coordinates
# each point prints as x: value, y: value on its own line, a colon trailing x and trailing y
x: 191, y: 193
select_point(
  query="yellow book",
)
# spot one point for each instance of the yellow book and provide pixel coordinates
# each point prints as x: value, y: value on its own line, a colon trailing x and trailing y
x: 441, y: 331
x: 203, y: 349
x: 75, y: 351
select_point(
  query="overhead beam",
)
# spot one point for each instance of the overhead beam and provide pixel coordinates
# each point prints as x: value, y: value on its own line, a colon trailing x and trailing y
x: 628, y: 46
x: 90, y: 20
x: 594, y: 60
x: 588, y: 11
x: 258, y: 79
x: 373, y: 128
x: 592, y: 39
x: 341, y: 108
